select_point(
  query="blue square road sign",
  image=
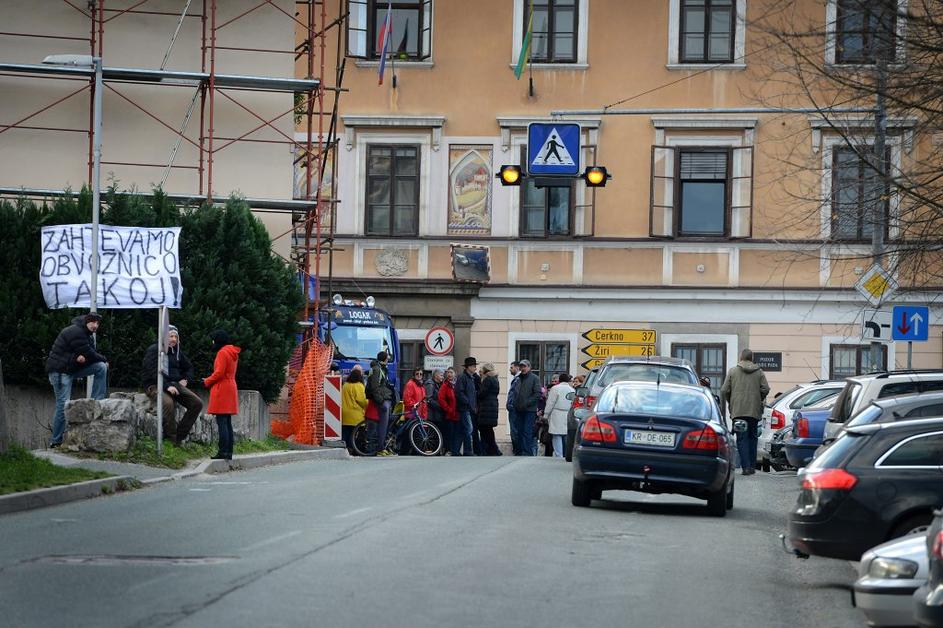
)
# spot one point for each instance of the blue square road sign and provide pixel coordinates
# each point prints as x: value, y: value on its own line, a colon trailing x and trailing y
x: 553, y: 149
x: 911, y: 323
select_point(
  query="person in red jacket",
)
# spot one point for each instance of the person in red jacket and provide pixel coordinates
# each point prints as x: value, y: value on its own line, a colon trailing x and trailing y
x: 450, y: 408
x: 414, y: 393
x: 224, y: 396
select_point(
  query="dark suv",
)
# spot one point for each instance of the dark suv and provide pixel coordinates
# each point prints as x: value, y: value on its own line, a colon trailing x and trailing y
x: 877, y: 482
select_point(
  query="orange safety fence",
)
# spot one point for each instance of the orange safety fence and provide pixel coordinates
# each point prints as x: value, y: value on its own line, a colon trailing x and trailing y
x: 305, y: 422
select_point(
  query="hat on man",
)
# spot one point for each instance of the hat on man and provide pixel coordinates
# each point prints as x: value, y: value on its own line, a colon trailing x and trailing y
x: 524, y: 363
x: 470, y: 361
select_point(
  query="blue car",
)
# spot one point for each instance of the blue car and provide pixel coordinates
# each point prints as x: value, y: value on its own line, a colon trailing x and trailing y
x: 808, y: 432
x: 654, y: 437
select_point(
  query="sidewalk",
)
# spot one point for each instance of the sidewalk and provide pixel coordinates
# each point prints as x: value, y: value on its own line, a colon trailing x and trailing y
x: 128, y: 475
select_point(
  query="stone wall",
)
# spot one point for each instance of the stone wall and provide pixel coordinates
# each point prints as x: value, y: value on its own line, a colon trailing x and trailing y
x: 29, y: 415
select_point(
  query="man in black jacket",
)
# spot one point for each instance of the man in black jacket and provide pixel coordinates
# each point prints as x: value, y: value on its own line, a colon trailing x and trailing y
x: 466, y: 400
x: 178, y: 376
x: 73, y: 356
x: 527, y: 397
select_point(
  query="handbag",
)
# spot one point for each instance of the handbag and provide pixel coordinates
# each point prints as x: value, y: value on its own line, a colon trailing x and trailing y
x: 372, y: 412
x: 739, y: 425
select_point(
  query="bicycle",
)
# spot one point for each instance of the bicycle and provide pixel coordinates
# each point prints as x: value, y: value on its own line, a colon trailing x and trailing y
x: 422, y: 436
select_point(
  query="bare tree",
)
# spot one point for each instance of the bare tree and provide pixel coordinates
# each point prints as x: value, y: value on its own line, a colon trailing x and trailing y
x: 872, y: 70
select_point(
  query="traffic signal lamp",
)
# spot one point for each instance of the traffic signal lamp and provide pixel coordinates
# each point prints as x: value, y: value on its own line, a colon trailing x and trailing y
x: 510, y: 175
x: 596, y: 176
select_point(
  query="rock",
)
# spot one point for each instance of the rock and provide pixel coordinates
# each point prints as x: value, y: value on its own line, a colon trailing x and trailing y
x: 79, y: 411
x: 112, y: 427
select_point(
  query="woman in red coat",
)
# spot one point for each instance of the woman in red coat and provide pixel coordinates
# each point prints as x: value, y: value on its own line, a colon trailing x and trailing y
x: 414, y: 393
x: 449, y: 407
x: 224, y: 396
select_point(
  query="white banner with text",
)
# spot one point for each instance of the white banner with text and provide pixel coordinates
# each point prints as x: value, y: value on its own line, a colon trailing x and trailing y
x: 138, y: 267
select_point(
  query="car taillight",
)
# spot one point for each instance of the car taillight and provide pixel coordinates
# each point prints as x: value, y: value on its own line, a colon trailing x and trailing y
x: 596, y: 431
x: 590, y: 401
x: 802, y: 428
x: 937, y: 550
x: 834, y: 479
x: 778, y: 421
x: 705, y: 440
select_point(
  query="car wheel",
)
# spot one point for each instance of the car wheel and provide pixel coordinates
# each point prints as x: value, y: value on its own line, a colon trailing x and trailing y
x: 730, y: 498
x: 766, y: 466
x: 582, y: 493
x: 597, y: 493
x: 717, y: 503
x: 911, y: 525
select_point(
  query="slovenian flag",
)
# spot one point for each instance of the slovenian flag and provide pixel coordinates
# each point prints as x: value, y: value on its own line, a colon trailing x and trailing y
x: 383, y: 40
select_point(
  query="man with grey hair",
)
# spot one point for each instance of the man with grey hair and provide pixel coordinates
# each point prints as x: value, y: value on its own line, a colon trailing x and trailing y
x: 744, y: 390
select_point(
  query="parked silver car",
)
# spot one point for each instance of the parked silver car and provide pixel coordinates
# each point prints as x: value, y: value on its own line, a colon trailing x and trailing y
x: 888, y: 575
x: 778, y: 413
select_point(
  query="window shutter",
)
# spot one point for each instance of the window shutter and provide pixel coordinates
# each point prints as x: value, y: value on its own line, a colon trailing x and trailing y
x: 425, y: 43
x: 662, y: 207
x: 741, y: 192
x: 357, y: 28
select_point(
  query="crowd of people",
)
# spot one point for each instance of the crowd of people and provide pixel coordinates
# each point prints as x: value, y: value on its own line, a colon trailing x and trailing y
x: 464, y: 405
x: 74, y: 355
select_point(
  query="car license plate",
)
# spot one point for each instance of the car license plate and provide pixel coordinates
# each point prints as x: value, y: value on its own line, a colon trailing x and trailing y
x: 648, y: 437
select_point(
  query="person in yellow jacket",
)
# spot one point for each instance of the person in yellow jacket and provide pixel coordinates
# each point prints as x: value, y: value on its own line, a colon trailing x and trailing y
x: 353, y: 405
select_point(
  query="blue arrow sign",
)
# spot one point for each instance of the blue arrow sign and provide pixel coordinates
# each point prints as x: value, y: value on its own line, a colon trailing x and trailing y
x: 553, y: 149
x: 911, y: 323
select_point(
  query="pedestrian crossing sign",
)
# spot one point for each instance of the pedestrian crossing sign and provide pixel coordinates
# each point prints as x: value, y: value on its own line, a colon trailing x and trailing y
x: 553, y: 149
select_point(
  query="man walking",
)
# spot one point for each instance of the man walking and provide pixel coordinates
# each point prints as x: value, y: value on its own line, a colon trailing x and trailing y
x: 178, y: 376
x: 73, y: 356
x: 514, y: 369
x: 466, y: 396
x: 744, y: 390
x: 525, y: 407
x: 381, y: 393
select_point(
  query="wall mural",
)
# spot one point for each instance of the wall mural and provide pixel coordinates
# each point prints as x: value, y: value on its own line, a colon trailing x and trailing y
x: 470, y: 175
x: 299, y: 179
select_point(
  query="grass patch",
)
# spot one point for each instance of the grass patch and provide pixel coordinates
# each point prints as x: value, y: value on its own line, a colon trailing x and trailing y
x: 178, y: 456
x: 22, y: 471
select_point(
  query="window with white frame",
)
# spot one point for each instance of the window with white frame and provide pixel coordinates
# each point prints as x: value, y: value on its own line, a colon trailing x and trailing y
x: 558, y: 31
x: 861, y: 32
x: 856, y: 188
x: 701, y: 191
x: 711, y: 32
x: 410, y: 29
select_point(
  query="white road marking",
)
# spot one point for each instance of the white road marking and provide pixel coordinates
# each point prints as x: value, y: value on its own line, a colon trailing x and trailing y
x: 353, y: 512
x: 412, y: 495
x: 201, y: 490
x: 271, y: 541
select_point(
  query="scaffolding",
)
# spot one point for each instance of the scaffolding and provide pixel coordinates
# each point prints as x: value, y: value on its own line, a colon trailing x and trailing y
x: 314, y: 108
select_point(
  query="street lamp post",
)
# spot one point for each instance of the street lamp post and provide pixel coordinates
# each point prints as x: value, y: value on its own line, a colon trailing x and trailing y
x: 93, y: 63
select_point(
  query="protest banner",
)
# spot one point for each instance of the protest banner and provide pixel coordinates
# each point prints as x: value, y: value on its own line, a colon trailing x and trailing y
x: 139, y: 267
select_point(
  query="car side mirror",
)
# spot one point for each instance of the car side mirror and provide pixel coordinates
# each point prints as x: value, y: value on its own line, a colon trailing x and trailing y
x: 570, y: 396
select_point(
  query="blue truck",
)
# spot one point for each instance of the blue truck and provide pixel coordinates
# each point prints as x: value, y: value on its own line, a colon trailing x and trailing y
x: 359, y: 330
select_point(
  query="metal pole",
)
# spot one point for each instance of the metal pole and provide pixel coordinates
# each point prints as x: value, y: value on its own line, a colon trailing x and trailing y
x: 161, y: 356
x: 910, y: 355
x: 878, y: 220
x: 96, y: 194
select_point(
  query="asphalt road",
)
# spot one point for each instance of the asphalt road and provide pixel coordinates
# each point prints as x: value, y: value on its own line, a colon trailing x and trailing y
x: 413, y: 542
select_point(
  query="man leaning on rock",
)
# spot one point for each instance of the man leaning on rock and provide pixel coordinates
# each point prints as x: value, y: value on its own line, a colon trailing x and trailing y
x: 73, y: 356
x: 179, y: 374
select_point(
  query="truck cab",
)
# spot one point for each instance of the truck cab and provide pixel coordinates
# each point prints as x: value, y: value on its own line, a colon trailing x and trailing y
x: 359, y: 330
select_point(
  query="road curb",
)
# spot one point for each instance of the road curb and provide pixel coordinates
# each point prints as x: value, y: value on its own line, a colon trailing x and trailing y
x: 254, y: 461
x: 54, y: 495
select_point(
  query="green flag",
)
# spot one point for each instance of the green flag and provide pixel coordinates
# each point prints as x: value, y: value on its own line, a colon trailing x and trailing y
x: 523, y: 58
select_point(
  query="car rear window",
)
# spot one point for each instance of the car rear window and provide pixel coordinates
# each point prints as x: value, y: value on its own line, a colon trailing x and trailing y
x: 841, y: 411
x: 869, y: 415
x: 772, y: 402
x: 641, y: 372
x: 656, y: 401
x: 836, y: 454
x: 813, y: 396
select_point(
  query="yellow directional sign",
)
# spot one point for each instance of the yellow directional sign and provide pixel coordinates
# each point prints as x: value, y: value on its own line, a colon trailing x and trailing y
x: 589, y: 365
x: 621, y: 336
x: 606, y: 351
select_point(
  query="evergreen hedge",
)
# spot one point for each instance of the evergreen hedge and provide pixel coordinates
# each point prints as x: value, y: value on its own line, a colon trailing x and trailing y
x: 230, y: 278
